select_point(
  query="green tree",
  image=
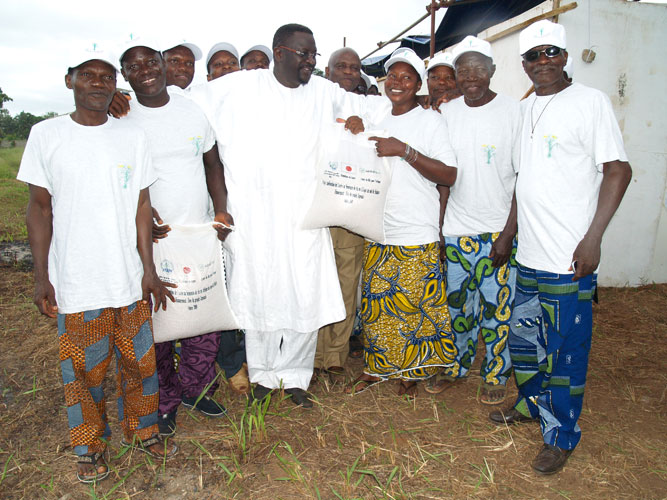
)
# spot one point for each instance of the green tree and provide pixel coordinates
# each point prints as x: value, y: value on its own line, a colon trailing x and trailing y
x: 4, y: 98
x: 23, y: 122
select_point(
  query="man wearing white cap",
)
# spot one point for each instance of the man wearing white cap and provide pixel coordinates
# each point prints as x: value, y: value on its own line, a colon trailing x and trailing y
x: 89, y: 225
x: 573, y: 175
x: 373, y: 88
x: 282, y: 279
x: 180, y: 57
x: 441, y: 80
x: 188, y: 171
x: 222, y: 59
x: 257, y: 57
x: 479, y: 223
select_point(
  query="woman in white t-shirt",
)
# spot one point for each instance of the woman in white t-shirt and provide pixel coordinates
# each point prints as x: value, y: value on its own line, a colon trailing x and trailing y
x: 406, y: 322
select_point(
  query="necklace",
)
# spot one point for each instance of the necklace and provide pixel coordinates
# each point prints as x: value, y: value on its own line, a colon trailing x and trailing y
x: 533, y: 125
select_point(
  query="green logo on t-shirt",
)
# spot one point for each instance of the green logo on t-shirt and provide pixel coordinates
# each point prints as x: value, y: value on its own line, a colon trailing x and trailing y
x: 197, y: 142
x: 125, y: 173
x: 490, y: 151
x: 550, y: 141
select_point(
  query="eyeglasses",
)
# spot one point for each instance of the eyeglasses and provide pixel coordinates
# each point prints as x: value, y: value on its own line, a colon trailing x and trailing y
x: 302, y: 54
x: 534, y: 55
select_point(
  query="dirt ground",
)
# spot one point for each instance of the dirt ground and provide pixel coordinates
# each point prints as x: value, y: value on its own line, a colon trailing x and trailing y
x: 373, y: 445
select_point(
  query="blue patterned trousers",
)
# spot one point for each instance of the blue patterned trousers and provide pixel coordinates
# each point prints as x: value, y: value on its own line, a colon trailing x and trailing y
x: 480, y: 297
x: 550, y: 338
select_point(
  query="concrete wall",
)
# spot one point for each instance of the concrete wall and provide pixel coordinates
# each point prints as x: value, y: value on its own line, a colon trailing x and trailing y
x: 630, y: 66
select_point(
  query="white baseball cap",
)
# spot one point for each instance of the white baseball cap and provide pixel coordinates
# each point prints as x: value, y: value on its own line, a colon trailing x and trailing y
x: 221, y: 46
x: 569, y: 67
x: 94, y: 52
x: 138, y: 41
x: 542, y: 33
x: 408, y: 56
x: 441, y: 59
x: 370, y: 80
x: 471, y: 44
x: 261, y: 48
x: 172, y: 43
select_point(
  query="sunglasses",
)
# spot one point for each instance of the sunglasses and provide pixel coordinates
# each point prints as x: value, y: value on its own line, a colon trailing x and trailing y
x: 301, y: 53
x: 534, y: 55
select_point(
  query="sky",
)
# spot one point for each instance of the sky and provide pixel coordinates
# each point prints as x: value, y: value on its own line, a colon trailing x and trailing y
x: 36, y: 36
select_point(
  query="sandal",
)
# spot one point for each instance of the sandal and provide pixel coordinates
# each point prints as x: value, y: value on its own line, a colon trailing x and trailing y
x: 155, y: 446
x: 356, y: 347
x: 100, y: 468
x: 493, y: 394
x: 240, y: 383
x: 439, y: 383
x: 407, y: 388
x: 361, y: 383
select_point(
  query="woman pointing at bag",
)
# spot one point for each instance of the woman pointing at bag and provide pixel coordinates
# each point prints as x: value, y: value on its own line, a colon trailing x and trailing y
x: 406, y: 322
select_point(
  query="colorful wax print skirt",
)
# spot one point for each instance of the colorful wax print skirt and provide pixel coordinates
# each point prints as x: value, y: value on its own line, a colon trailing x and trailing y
x: 406, y: 323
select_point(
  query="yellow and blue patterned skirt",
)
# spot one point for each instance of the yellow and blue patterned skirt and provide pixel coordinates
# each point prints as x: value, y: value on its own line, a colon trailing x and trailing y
x: 407, y: 330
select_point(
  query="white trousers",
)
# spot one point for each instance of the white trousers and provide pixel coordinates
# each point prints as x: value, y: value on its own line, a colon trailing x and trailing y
x: 282, y: 358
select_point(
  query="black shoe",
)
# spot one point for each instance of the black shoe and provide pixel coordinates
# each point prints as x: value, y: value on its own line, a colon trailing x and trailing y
x: 509, y: 416
x: 166, y: 424
x: 206, y: 405
x: 550, y: 459
x: 300, y: 397
x: 259, y: 392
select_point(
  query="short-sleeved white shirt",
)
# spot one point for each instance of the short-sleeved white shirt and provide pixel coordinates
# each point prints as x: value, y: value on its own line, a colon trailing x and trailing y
x: 486, y: 141
x: 179, y: 134
x: 94, y: 176
x: 575, y: 133
x: 412, y: 211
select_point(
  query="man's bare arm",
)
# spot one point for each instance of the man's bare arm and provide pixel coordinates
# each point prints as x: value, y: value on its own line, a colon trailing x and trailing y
x: 616, y: 176
x: 501, y: 250
x: 39, y: 220
x: 150, y: 283
x: 217, y: 189
x: 443, y: 191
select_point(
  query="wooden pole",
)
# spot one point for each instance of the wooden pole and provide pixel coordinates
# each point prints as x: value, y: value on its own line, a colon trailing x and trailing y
x: 440, y: 4
x: 432, y: 48
x: 552, y: 13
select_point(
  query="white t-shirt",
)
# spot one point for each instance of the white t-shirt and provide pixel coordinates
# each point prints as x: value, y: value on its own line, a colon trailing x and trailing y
x: 486, y: 142
x: 279, y: 275
x: 413, y: 208
x: 179, y: 134
x: 575, y: 132
x: 94, y: 175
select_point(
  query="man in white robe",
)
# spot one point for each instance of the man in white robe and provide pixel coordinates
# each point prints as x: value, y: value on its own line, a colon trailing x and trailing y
x: 282, y: 280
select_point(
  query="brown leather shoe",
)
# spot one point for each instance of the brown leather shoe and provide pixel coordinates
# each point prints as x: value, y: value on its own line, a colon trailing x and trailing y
x: 550, y: 459
x: 509, y: 416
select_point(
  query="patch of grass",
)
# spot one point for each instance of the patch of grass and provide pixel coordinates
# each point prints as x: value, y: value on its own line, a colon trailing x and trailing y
x: 13, y: 197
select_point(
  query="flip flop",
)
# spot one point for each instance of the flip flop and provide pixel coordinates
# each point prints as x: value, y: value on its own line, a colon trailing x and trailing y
x: 146, y: 444
x: 439, y: 383
x: 361, y: 383
x: 408, y: 388
x: 97, y: 461
x: 493, y: 394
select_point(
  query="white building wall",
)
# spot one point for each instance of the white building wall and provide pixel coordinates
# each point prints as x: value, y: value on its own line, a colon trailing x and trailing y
x: 630, y: 41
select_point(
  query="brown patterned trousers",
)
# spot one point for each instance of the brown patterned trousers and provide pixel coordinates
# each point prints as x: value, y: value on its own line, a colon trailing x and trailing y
x: 87, y: 340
